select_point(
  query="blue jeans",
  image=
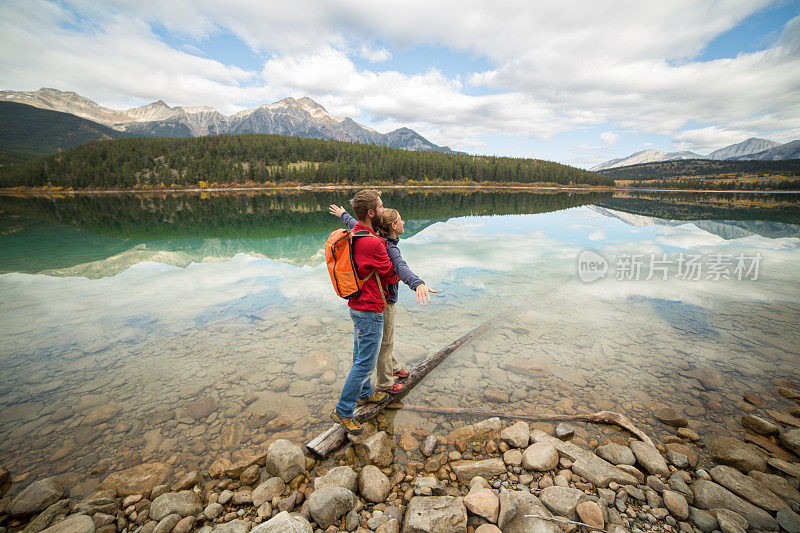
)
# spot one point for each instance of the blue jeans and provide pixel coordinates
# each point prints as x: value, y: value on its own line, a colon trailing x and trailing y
x: 368, y: 328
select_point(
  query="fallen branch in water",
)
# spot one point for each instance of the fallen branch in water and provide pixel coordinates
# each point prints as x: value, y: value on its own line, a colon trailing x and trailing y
x: 334, y: 437
x: 601, y: 417
x: 560, y: 521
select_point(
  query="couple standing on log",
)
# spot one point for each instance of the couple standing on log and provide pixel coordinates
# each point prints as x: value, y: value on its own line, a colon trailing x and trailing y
x: 373, y: 310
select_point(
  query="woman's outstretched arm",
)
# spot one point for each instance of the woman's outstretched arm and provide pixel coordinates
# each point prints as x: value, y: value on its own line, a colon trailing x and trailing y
x: 407, y: 276
x: 340, y: 212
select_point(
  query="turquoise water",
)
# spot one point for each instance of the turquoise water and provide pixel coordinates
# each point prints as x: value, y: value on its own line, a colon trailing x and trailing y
x: 120, y: 313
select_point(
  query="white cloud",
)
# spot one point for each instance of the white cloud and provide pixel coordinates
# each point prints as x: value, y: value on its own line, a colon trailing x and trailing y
x: 705, y: 140
x: 375, y: 55
x: 554, y: 67
x: 609, y: 137
x: 597, y: 235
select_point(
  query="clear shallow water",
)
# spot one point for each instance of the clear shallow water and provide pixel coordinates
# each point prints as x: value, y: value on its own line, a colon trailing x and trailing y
x: 168, y: 328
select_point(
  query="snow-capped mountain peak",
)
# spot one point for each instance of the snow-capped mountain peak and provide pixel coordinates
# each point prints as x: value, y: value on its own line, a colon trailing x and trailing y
x: 645, y: 156
x: 753, y: 145
x: 752, y: 148
x: 156, y: 111
x: 301, y: 117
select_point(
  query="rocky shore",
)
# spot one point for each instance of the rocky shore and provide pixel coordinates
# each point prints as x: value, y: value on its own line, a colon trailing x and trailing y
x: 486, y: 477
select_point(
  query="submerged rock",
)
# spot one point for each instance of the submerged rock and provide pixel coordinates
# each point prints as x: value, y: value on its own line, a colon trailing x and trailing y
x: 315, y: 364
x: 759, y: 425
x: 671, y: 417
x: 140, y: 479
x: 740, y: 455
x: 201, y: 408
x: 37, y: 497
x: 483, y: 430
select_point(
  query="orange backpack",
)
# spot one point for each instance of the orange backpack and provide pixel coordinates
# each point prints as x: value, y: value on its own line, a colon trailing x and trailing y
x: 342, y: 265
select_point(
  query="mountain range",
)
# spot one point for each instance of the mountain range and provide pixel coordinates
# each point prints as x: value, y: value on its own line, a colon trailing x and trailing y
x: 726, y: 229
x: 301, y: 117
x: 751, y: 149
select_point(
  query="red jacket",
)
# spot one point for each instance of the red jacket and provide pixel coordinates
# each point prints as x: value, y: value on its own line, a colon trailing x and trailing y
x: 370, y: 254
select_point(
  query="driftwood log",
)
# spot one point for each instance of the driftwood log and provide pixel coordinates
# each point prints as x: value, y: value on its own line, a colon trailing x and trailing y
x: 335, y: 436
x: 601, y: 417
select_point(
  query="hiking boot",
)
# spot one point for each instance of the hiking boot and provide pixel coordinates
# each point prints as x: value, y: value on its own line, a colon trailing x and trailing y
x: 401, y: 374
x: 377, y: 397
x: 349, y: 424
x: 394, y: 389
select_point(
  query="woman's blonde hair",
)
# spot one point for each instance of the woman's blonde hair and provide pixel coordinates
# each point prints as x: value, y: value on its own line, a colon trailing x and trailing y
x: 384, y: 223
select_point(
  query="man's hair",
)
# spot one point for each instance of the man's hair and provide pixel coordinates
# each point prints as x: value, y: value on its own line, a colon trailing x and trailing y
x: 363, y: 201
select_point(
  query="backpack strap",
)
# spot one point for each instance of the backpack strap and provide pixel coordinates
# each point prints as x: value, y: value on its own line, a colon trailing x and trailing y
x: 367, y: 233
x: 380, y: 284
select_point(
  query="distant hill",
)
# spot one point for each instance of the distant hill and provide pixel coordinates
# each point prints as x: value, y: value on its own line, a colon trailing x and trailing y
x: 750, y: 149
x: 27, y: 132
x: 250, y: 158
x: 702, y: 168
x: 745, y: 150
x: 301, y: 117
x: 790, y: 150
x: 645, y: 156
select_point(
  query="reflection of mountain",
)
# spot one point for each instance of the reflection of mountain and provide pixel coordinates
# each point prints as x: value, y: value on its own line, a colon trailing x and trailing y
x: 708, y: 206
x: 727, y: 229
x: 102, y: 236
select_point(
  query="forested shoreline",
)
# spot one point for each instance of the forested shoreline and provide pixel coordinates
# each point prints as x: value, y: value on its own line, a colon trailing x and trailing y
x: 252, y: 159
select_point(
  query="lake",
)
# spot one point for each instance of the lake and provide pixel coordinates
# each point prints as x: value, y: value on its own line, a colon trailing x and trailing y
x: 168, y: 327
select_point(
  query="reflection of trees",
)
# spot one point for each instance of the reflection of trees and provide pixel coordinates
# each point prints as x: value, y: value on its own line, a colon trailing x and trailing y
x: 708, y: 206
x: 262, y: 216
x: 54, y: 234
x: 45, y: 233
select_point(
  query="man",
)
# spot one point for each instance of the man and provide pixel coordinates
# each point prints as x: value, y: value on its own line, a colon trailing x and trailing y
x: 367, y: 309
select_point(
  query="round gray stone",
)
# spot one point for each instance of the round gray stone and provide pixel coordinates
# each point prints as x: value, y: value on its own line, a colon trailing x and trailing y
x: 616, y: 454
x: 330, y: 503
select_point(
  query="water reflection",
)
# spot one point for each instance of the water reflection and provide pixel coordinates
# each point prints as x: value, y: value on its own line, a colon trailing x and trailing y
x: 126, y: 338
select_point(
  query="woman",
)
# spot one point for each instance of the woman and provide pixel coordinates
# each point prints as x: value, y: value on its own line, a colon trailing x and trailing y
x: 389, y: 226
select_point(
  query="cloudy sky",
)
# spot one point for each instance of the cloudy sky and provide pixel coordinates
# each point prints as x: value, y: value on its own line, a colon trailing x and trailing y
x: 576, y: 81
